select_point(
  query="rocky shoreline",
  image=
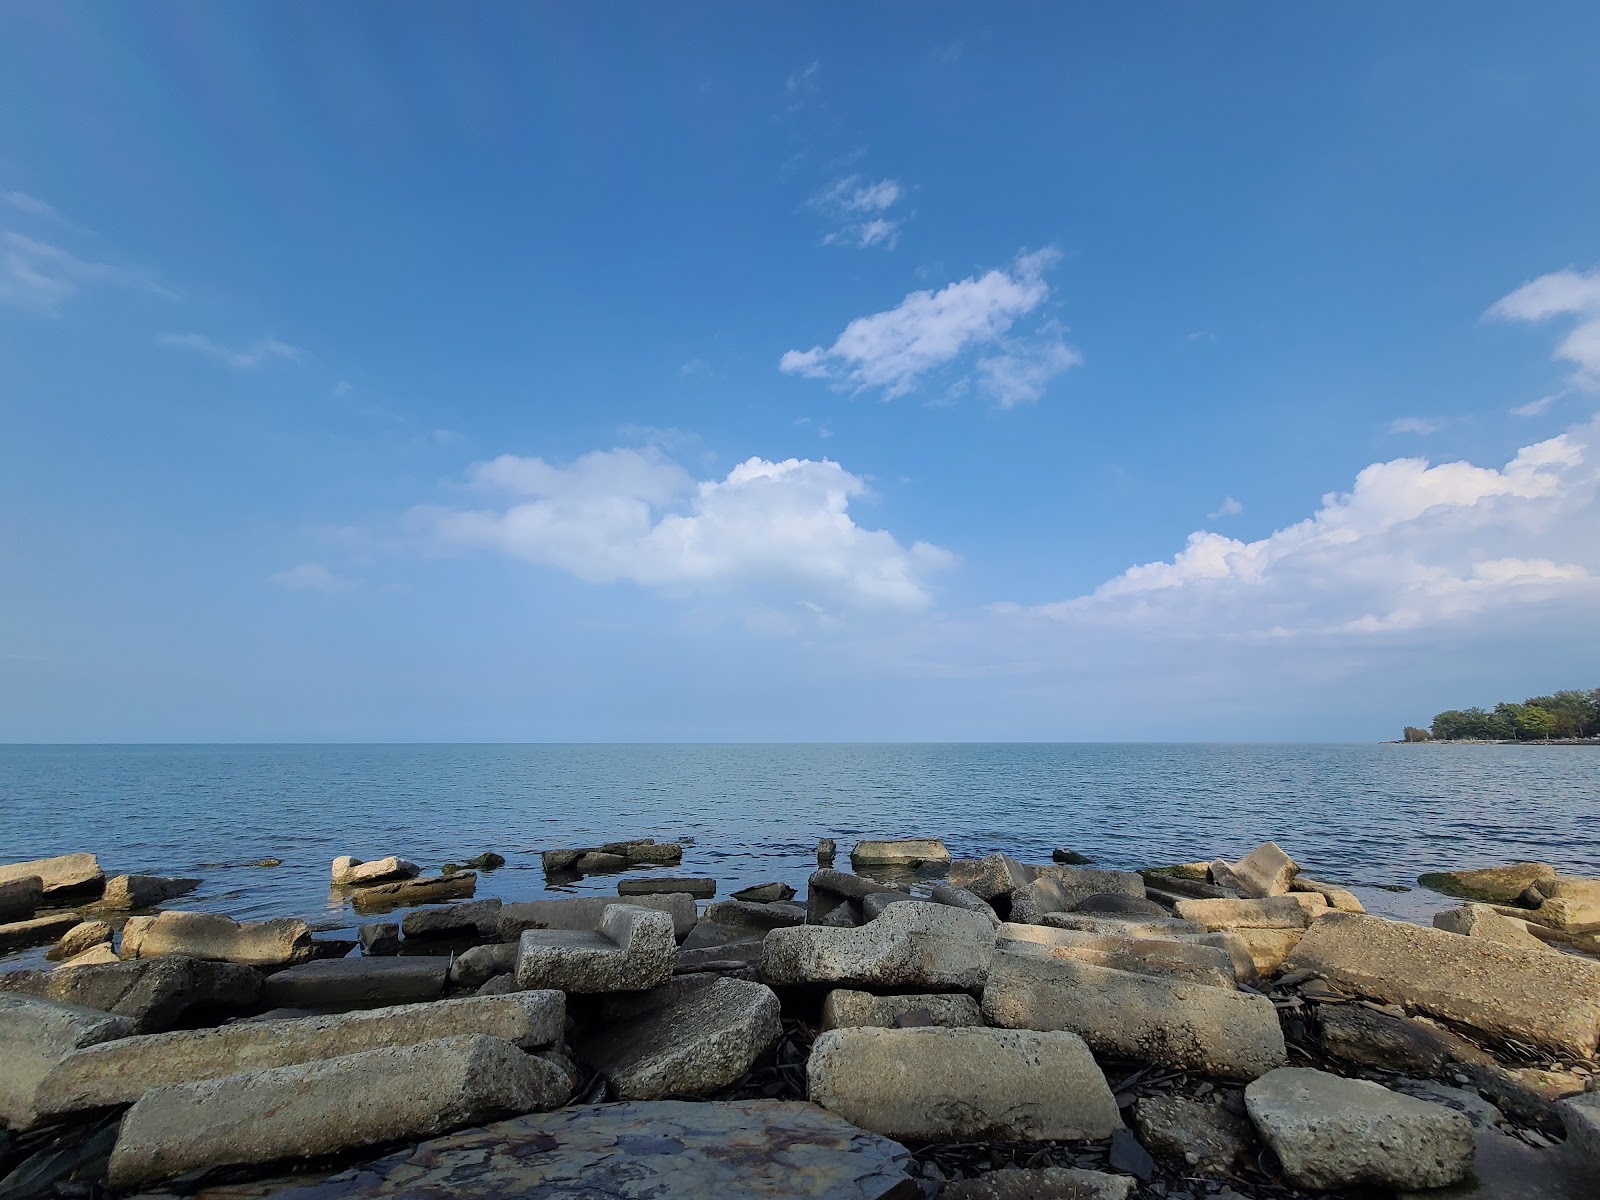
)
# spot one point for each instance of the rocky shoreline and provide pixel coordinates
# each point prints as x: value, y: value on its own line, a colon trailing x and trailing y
x: 915, y: 1027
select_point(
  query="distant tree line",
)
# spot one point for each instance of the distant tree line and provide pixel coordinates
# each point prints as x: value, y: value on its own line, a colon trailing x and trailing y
x: 1568, y: 714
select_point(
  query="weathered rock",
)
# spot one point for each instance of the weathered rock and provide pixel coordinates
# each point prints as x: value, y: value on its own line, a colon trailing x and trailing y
x: 217, y: 938
x: 402, y: 893
x: 1338, y: 898
x: 1144, y: 1017
x: 36, y: 931
x: 1269, y: 949
x: 908, y: 852
x: 1041, y: 1183
x: 500, y: 985
x: 1360, y: 1035
x: 988, y: 878
x: 156, y: 994
x: 85, y: 935
x: 657, y: 854
x: 872, y: 907
x: 846, y: 886
x: 1293, y: 911
x: 93, y: 956
x: 1199, y: 1134
x: 1122, y: 926
x: 911, y: 945
x: 1526, y: 1094
x: 841, y: 916
x: 144, y: 891
x: 957, y: 897
x: 20, y: 898
x: 702, y: 1038
x: 305, y: 1110
x: 631, y: 951
x: 1569, y: 914
x: 1552, y: 1000
x: 827, y: 849
x: 765, y: 893
x: 700, y: 889
x: 1265, y: 871
x: 1059, y: 889
x: 379, y: 937
x: 487, y: 861
x: 353, y: 872
x: 344, y: 983
x: 1480, y: 920
x: 1220, y: 873
x: 120, y: 1072
x: 475, y: 967
x: 1330, y: 1132
x: 65, y: 874
x: 962, y: 1084
x: 1490, y: 885
x: 1580, y: 1116
x: 35, y: 1035
x: 476, y: 918
x: 646, y: 1150
x: 1146, y: 956
x: 597, y: 861
x: 584, y: 912
x: 776, y: 915
x: 1116, y: 904
x: 845, y: 1009
x: 1069, y: 857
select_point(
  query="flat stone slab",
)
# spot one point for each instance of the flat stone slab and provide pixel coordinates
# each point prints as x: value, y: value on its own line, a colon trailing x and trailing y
x: 846, y: 1009
x: 64, y: 873
x: 36, y: 931
x: 583, y: 913
x: 905, y: 851
x: 643, y: 1150
x: 700, y: 889
x: 932, y: 946
x: 357, y: 982
x: 401, y: 893
x: 34, y: 1035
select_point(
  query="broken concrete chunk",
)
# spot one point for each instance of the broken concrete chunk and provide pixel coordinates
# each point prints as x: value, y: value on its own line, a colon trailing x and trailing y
x: 1060, y: 889
x: 765, y: 893
x: 1203, y: 1135
x: 217, y: 938
x: 85, y: 935
x: 1147, y: 956
x: 584, y: 913
x: 631, y: 951
x: 1265, y: 871
x: 1490, y: 885
x: 844, y: 1009
x: 1293, y: 911
x: 958, y: 897
x: 476, y: 918
x: 908, y: 852
x: 66, y: 873
x: 1580, y: 1116
x: 156, y: 994
x: 344, y: 983
x: 401, y: 893
x: 35, y: 1034
x: 475, y: 967
x: 775, y: 915
x: 1338, y: 898
x: 144, y: 891
x: 379, y: 937
x: 700, y: 889
x: 1122, y: 926
x: 20, y: 898
x: 1480, y: 920
x: 352, y: 872
x: 36, y: 931
x: 1365, y: 1037
x: 935, y: 1084
x: 989, y: 878
x: 911, y: 945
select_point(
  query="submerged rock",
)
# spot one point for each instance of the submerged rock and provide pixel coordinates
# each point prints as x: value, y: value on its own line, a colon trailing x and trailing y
x: 401, y: 893
x: 1490, y: 885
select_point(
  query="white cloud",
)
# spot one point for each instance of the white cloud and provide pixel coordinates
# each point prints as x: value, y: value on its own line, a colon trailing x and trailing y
x: 31, y: 205
x: 804, y: 80
x: 858, y: 207
x: 1410, y: 545
x: 311, y: 577
x: 1562, y: 294
x: 1417, y: 425
x: 929, y: 331
x: 41, y: 276
x: 1535, y: 408
x: 256, y: 354
x: 1228, y: 508
x: 776, y: 528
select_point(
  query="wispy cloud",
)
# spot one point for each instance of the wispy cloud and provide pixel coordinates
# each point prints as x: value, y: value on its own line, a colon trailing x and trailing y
x: 311, y: 577
x: 859, y: 209
x: 257, y: 354
x: 1418, y: 425
x: 1534, y: 408
x: 969, y: 322
x: 1562, y: 294
x: 804, y: 81
x: 30, y: 205
x: 1228, y: 508
x: 42, y: 277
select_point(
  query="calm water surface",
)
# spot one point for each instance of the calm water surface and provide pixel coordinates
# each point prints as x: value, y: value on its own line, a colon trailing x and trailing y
x: 1362, y: 814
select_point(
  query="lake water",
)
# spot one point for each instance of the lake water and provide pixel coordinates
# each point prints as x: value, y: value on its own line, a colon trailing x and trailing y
x: 1367, y: 815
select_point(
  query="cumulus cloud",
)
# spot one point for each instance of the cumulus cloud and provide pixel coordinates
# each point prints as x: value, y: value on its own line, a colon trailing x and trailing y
x: 1410, y: 545
x: 258, y: 353
x: 1562, y: 294
x: 970, y: 321
x: 42, y: 276
x: 774, y: 528
x: 311, y: 577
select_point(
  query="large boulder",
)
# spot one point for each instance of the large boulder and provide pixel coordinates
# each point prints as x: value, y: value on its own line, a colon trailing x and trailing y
x: 1060, y: 889
x: 913, y: 945
x: 66, y: 874
x: 700, y: 1038
x: 583, y: 913
x: 344, y: 983
x: 1489, y: 885
x: 1330, y: 1132
x: 1265, y: 871
x: 828, y: 891
x: 298, y: 1111
x: 353, y: 872
x: 144, y: 891
x: 35, y: 1034
x: 1552, y: 1000
x: 905, y: 852
x: 156, y: 994
x: 1480, y: 920
x: 1293, y: 911
x: 20, y: 898
x: 218, y: 938
x: 933, y: 1084
x: 845, y: 1009
x: 1148, y: 1018
x: 120, y: 1072
x: 631, y: 951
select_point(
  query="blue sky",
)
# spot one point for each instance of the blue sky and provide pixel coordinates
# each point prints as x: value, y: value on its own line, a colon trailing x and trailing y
x: 863, y: 372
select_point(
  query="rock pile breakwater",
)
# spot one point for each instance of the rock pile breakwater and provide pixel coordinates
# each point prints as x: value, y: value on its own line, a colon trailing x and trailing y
x: 965, y: 1028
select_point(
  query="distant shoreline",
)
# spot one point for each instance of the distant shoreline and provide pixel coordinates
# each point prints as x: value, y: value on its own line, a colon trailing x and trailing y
x: 1594, y: 742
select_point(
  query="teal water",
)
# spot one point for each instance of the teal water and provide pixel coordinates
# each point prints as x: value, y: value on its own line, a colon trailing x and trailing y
x: 1365, y: 814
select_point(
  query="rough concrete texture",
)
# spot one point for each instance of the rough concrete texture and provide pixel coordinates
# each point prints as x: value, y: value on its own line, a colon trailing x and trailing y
x: 35, y: 1035
x: 383, y: 897
x: 846, y: 1009
x: 1480, y: 920
x: 916, y: 945
x: 1060, y: 889
x: 475, y: 967
x: 583, y: 913
x: 1331, y: 1132
x: 1268, y: 949
x: 92, y: 957
x: 1041, y: 1183
x: 1338, y: 898
x: 1143, y: 1017
x: 353, y: 872
x: 1122, y: 926
x: 903, y: 852
x: 83, y: 936
x: 476, y: 918
x: 762, y: 916
x: 765, y: 893
x: 144, y: 891
x: 700, y: 889
x: 64, y: 873
x: 1569, y: 914
x: 699, y: 1041
x: 1146, y: 956
x: 1199, y: 1134
x: 1490, y: 885
x: 321, y: 1107
x: 631, y: 951
x: 1507, y: 1168
x: 1580, y: 1115
x: 122, y: 1071
x: 935, y: 1084
x: 157, y: 994
x: 379, y: 937
x: 357, y: 982
x: 1361, y: 1035
x: 1294, y: 911
x: 987, y: 878
x: 217, y: 938
x: 1552, y: 1000
x: 649, y: 1150
x: 959, y: 897
x: 36, y: 931
x: 20, y: 898
x: 1265, y: 871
